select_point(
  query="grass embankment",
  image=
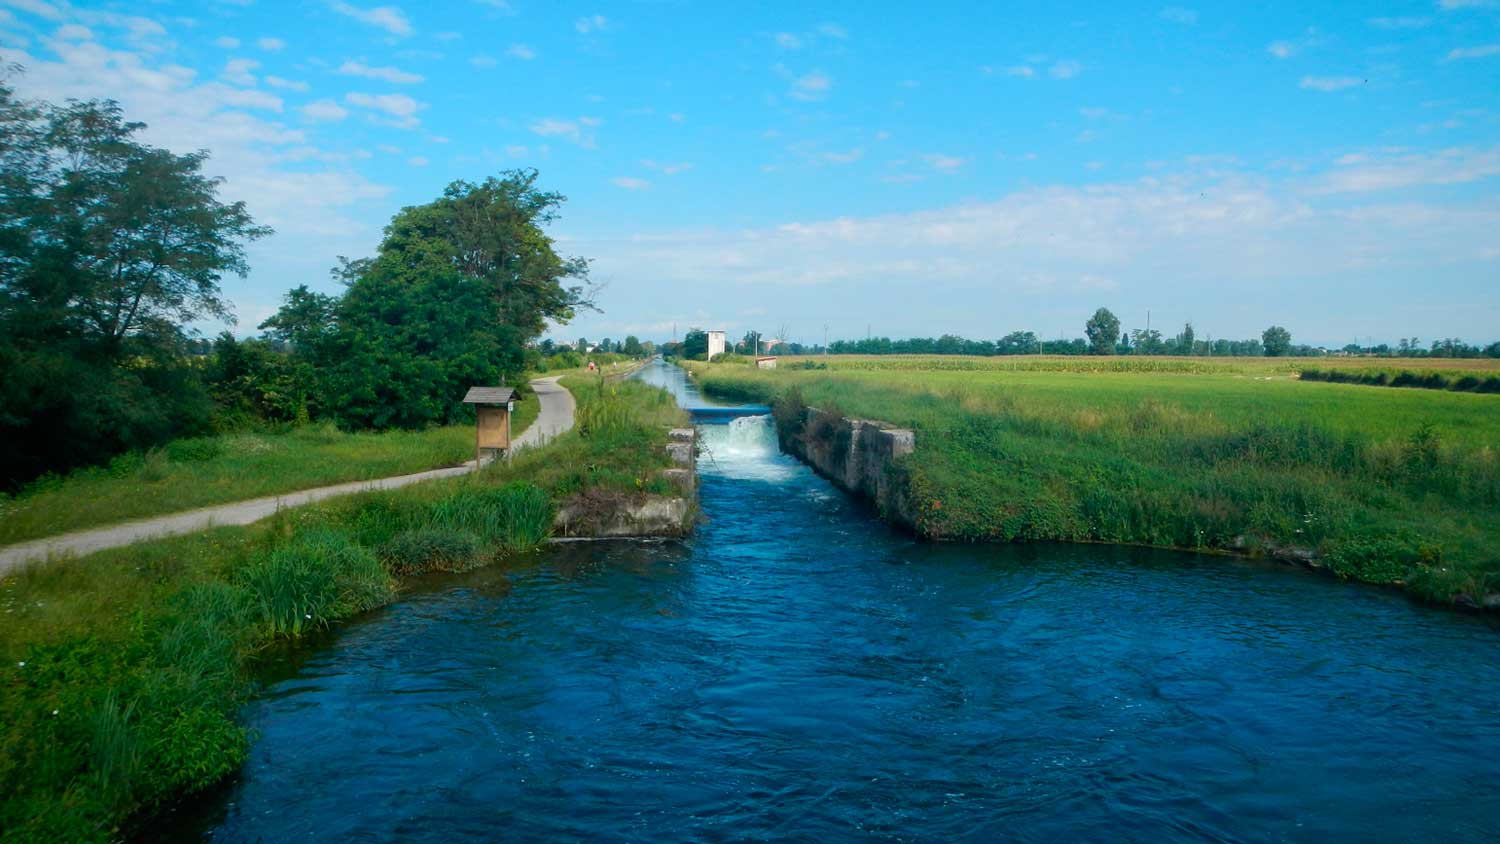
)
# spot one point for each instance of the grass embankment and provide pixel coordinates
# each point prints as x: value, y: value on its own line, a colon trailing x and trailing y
x: 121, y: 674
x: 1386, y: 486
x: 202, y: 471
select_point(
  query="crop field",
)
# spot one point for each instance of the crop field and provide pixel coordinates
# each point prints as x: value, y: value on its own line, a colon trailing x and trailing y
x: 1383, y: 485
x: 1162, y: 364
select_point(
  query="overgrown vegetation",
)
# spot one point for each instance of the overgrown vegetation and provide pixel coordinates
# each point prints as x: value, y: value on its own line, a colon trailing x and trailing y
x: 1464, y: 382
x: 121, y: 674
x: 1383, y: 486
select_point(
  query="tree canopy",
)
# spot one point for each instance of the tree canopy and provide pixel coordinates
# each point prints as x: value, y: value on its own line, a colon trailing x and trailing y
x: 1103, y: 331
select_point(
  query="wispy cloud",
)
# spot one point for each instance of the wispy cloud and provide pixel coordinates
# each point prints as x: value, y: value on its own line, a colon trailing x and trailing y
x: 630, y: 183
x: 237, y: 71
x: 579, y: 131
x: 388, y: 18
x: 1481, y: 52
x: 1066, y: 69
x: 812, y: 86
x: 788, y: 41
x: 668, y: 168
x: 286, y: 84
x: 270, y: 45
x: 521, y: 51
x: 1329, y: 83
x: 1399, y: 23
x: 483, y: 61
x: 848, y: 157
x: 400, y: 110
x: 1177, y: 14
x: 1392, y: 170
x: 387, y: 74
x: 227, y: 43
x: 591, y: 23
x: 944, y: 163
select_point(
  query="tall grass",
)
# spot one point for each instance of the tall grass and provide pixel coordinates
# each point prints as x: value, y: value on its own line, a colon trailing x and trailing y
x: 1386, y: 486
x: 121, y: 674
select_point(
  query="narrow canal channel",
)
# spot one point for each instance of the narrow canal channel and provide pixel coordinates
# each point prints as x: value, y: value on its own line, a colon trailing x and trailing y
x: 799, y: 672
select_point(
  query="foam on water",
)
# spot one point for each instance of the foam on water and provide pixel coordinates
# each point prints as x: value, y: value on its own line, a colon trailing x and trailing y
x: 744, y: 449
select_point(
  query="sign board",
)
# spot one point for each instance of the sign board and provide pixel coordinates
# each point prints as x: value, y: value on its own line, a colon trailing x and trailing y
x: 494, y: 427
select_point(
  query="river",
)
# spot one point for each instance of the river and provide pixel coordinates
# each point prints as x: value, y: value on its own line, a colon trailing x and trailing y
x: 797, y: 671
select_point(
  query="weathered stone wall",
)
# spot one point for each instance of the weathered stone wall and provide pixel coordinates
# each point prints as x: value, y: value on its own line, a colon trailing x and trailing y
x: 860, y: 457
x: 618, y: 514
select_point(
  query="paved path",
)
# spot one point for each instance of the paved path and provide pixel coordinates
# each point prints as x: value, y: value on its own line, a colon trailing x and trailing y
x: 556, y: 416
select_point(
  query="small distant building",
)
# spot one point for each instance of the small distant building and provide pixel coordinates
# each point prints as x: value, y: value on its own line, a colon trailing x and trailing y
x: 765, y: 363
x: 715, y: 344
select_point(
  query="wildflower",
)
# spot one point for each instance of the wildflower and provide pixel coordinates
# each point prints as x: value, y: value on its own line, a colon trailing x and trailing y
x: 307, y: 615
x: 54, y: 712
x: 22, y: 663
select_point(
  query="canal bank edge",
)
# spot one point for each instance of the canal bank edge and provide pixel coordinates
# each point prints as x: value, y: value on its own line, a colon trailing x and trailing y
x: 612, y: 514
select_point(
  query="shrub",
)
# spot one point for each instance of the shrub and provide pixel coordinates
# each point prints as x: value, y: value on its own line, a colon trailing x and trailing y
x: 1389, y: 559
x: 319, y: 577
x: 430, y: 549
x: 514, y: 517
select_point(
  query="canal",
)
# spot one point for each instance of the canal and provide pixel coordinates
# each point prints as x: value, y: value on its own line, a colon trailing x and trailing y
x: 798, y: 672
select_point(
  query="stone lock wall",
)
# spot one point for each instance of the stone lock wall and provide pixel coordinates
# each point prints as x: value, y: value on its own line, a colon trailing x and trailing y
x: 621, y: 515
x: 858, y: 456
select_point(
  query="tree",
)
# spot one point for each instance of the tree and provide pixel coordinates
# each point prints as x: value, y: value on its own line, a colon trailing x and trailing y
x: 492, y: 232
x: 1276, y: 341
x: 1103, y: 331
x: 107, y: 247
x: 694, y: 344
x: 304, y: 317
x: 632, y: 346
x: 1186, y: 340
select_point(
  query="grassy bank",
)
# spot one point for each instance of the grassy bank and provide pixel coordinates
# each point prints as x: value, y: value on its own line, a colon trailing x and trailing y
x: 202, y: 471
x: 121, y: 674
x: 1385, y: 486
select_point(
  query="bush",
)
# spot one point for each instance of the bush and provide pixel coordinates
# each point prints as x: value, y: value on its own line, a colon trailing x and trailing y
x: 319, y: 577
x: 1388, y: 559
x: 430, y: 549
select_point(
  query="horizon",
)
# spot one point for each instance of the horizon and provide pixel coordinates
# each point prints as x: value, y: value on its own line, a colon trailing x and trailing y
x: 1325, y: 169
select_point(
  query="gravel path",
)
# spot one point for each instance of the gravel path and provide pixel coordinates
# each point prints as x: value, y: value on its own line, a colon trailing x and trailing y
x: 555, y: 417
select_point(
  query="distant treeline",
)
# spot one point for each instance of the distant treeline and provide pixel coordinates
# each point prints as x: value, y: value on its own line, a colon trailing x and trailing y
x: 1465, y: 382
x: 1027, y: 343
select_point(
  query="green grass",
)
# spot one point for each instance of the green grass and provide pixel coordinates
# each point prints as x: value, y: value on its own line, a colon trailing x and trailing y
x: 1388, y: 486
x: 122, y: 673
x: 203, y: 471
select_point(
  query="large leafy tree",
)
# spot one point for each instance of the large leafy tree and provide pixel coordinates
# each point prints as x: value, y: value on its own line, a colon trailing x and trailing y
x: 1103, y: 331
x: 107, y: 246
x: 1277, y: 341
x: 456, y: 290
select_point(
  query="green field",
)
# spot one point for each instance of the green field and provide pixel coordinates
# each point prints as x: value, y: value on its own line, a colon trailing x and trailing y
x: 203, y: 471
x: 122, y: 673
x: 1383, y: 485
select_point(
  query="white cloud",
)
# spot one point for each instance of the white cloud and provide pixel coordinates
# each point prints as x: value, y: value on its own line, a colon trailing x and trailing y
x: 833, y: 30
x: 73, y: 32
x: 39, y: 8
x: 388, y: 18
x: 578, y: 131
x: 238, y: 72
x: 849, y: 157
x: 1399, y: 23
x: 788, y: 41
x: 401, y: 109
x: 227, y: 42
x: 1177, y: 14
x: 388, y: 74
x: 324, y: 110
x: 1392, y: 170
x: 668, y: 168
x: 945, y: 163
x: 630, y: 183
x: 1023, y: 71
x: 812, y: 86
x: 1065, y: 70
x: 1469, y: 4
x: 591, y: 23
x: 1481, y: 52
x: 483, y: 61
x: 517, y: 151
x: 270, y: 44
x: 1282, y: 49
x: 1329, y: 83
x: 417, y: 161
x: 286, y: 84
x: 521, y: 51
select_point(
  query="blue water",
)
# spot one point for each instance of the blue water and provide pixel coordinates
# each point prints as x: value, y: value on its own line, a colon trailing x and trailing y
x: 799, y: 672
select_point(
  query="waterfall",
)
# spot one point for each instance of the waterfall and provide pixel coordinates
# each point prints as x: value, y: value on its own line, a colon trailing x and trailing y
x: 744, y: 449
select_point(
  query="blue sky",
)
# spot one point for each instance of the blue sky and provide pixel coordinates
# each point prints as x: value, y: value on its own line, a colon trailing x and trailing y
x: 910, y: 169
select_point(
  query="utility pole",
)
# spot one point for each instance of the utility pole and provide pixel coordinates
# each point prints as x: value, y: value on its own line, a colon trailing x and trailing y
x: 825, y: 341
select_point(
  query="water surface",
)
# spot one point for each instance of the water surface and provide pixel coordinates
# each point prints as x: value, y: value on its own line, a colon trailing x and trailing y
x: 799, y: 672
